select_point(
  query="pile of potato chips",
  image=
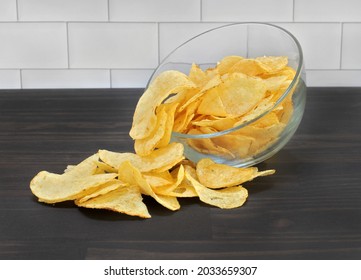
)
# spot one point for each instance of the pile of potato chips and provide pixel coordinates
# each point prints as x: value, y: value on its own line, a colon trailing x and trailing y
x: 232, y: 93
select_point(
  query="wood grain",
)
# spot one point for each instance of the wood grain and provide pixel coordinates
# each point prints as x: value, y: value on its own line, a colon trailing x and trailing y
x: 310, y: 209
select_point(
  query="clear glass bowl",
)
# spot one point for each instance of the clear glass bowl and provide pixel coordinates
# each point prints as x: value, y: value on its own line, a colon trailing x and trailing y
x: 249, y: 40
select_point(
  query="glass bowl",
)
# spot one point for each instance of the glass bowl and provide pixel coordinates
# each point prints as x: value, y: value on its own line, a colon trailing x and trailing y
x: 245, y: 144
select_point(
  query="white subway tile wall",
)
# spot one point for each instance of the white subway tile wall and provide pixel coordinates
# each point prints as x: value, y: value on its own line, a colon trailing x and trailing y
x: 113, y: 45
x: 33, y: 45
x: 118, y: 43
x: 10, y: 79
x: 8, y: 10
x: 245, y: 10
x: 154, y: 10
x: 64, y: 10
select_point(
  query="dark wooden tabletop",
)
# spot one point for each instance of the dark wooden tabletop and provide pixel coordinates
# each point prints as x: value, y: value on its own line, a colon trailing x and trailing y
x: 310, y: 209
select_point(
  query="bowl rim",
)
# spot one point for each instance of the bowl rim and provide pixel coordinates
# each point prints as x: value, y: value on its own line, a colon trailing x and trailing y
x: 280, y: 99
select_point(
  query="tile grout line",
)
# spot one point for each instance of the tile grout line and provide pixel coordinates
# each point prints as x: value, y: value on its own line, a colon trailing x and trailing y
x: 293, y: 11
x: 108, y: 10
x: 67, y: 45
x: 201, y: 12
x: 17, y: 9
x: 21, y: 78
x: 110, y: 79
x: 341, y: 45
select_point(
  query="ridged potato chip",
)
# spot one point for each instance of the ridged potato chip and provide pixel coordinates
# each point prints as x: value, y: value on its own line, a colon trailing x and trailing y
x: 146, y: 146
x: 215, y: 176
x: 77, y: 182
x: 237, y: 95
x: 167, y: 83
x: 159, y: 160
x: 131, y: 175
x: 125, y: 199
x: 226, y: 198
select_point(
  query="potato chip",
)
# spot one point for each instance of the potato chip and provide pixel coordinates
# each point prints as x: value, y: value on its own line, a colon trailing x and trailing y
x: 227, y: 198
x: 84, y: 168
x: 170, y: 110
x: 197, y: 76
x: 219, y: 124
x: 273, y: 64
x: 234, y: 97
x: 260, y: 108
x: 238, y: 145
x: 156, y: 179
x: 226, y: 64
x: 145, y: 146
x: 76, y: 182
x: 168, y: 189
x: 103, y: 189
x: 186, y: 189
x: 144, y: 119
x: 125, y: 199
x: 52, y: 188
x: 105, y: 168
x: 131, y: 175
x: 159, y: 160
x: 263, y: 136
x: 212, y: 83
x: 215, y: 175
x: 207, y: 146
x: 183, y: 119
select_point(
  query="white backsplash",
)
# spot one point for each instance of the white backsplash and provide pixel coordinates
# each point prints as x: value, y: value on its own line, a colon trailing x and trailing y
x: 118, y: 43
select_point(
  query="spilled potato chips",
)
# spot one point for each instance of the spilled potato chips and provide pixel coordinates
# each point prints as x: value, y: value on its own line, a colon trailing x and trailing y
x: 236, y: 91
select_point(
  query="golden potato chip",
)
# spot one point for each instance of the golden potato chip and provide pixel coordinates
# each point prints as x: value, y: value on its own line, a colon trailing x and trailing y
x: 227, y: 198
x: 286, y: 113
x: 273, y: 64
x: 183, y: 119
x: 219, y: 124
x: 68, y: 168
x: 207, y: 146
x: 52, y: 188
x: 105, y: 168
x: 249, y: 66
x: 260, y: 66
x: 125, y: 199
x: 76, y: 182
x: 84, y: 168
x: 168, y: 189
x: 197, y: 75
x: 145, y: 146
x: 226, y: 64
x: 156, y: 179
x: 234, y: 97
x: 268, y: 120
x: 260, y: 108
x: 186, y: 189
x: 159, y: 160
x: 274, y: 83
x: 131, y: 175
x: 263, y: 136
x: 170, y: 110
x: 103, y: 189
x: 215, y: 175
x: 238, y: 145
x: 144, y: 119
x: 212, y: 83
